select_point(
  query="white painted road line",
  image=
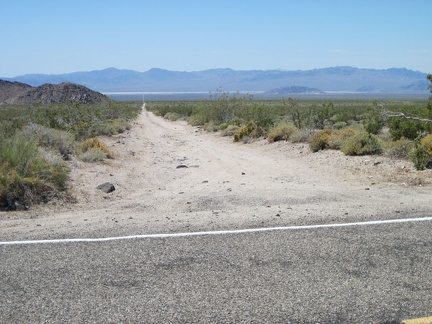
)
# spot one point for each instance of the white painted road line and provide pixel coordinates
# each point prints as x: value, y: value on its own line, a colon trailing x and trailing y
x: 241, y: 231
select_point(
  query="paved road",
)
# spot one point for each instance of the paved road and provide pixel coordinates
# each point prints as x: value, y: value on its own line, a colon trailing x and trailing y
x: 363, y: 274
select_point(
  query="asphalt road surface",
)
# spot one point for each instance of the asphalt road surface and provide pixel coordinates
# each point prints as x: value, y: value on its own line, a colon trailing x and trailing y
x: 360, y: 274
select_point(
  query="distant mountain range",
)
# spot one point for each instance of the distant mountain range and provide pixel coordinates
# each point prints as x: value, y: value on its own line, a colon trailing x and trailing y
x: 332, y: 79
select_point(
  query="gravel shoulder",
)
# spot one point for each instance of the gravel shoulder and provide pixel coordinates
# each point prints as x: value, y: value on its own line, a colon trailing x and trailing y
x: 172, y: 177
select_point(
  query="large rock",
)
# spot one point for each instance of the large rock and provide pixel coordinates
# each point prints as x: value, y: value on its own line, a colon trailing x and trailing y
x: 106, y: 187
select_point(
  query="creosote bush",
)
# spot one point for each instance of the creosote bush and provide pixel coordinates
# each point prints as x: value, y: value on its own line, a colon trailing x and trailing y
x: 211, y: 127
x: 398, y: 149
x: 338, y: 137
x: 230, y: 130
x: 28, y: 174
x: 59, y: 140
x: 421, y: 153
x: 362, y: 143
x: 92, y: 150
x: 251, y: 130
x: 172, y: 116
x: 281, y: 133
x: 320, y: 140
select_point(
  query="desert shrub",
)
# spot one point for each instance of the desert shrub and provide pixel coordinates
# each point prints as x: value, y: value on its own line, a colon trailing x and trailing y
x: 420, y: 157
x: 320, y: 140
x: 337, y: 138
x: 362, y: 143
x: 210, y: 127
x: 85, y: 121
x: 223, y: 126
x: 172, y: 116
x: 405, y: 128
x: 197, y: 120
x: 92, y: 155
x: 28, y: 175
x: 18, y: 153
x: 230, y: 130
x: 237, y: 122
x: 246, y: 139
x: 250, y: 130
x: 339, y: 125
x: 301, y: 135
x: 119, y: 125
x: 373, y: 119
x: 281, y: 133
x: 426, y: 142
x: 92, y: 150
x: 398, y: 149
x: 61, y: 141
x: 421, y: 153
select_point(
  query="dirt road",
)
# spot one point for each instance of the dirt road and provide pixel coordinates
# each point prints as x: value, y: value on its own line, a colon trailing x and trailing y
x: 172, y: 177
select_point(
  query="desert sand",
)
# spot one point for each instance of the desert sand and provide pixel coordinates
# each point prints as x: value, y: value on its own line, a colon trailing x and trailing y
x: 173, y: 177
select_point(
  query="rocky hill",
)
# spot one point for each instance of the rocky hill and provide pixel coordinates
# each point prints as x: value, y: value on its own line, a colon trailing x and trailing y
x: 21, y: 93
x: 9, y: 90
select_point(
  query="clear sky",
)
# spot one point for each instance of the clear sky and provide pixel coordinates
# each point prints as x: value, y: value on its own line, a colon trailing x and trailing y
x: 62, y: 36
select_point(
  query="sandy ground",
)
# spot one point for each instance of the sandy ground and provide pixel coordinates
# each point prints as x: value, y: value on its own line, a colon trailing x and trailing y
x: 221, y: 185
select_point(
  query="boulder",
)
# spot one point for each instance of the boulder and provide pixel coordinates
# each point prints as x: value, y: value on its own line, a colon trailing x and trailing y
x: 106, y: 187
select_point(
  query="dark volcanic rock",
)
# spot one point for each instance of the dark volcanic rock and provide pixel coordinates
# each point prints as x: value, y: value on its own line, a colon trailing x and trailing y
x: 20, y: 93
x: 12, y: 205
x: 106, y: 187
x: 10, y: 90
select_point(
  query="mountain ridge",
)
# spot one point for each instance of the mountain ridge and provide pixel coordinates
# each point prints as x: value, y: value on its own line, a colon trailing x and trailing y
x: 338, y: 78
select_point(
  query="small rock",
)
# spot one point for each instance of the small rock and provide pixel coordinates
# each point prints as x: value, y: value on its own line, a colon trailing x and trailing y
x: 182, y: 166
x: 106, y: 187
x: 19, y: 206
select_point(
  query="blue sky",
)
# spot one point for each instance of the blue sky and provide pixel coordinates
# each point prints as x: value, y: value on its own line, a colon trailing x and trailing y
x: 62, y: 36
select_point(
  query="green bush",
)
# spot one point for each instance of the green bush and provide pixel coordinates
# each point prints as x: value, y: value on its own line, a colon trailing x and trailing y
x: 61, y: 141
x: 362, y: 143
x: 210, y: 127
x: 223, y: 126
x: 421, y: 153
x: 373, y: 119
x: 230, y: 130
x: 301, y: 136
x: 340, y: 125
x: 172, y: 116
x: 399, y: 149
x: 338, y: 137
x: 405, y: 128
x: 320, y: 140
x: 197, y: 120
x: 92, y: 150
x: 420, y: 157
x: 29, y: 175
x: 250, y: 130
x: 426, y: 142
x: 281, y: 133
